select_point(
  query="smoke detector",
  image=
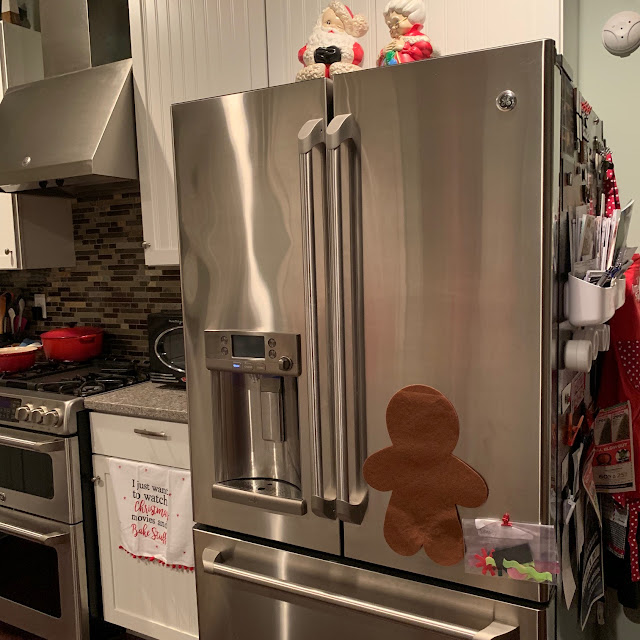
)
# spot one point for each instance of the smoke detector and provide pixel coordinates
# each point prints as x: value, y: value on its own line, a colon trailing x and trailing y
x: 621, y: 33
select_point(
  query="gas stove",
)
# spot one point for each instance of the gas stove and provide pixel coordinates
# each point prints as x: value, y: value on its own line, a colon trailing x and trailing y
x: 47, y: 397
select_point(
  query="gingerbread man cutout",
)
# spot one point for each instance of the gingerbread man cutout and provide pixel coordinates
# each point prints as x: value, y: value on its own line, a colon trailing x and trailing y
x: 426, y: 480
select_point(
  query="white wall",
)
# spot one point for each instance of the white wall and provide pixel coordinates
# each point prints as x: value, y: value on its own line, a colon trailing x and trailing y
x: 454, y: 26
x: 612, y: 86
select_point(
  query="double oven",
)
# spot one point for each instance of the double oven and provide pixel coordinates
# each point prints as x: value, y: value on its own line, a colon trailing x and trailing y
x: 43, y: 582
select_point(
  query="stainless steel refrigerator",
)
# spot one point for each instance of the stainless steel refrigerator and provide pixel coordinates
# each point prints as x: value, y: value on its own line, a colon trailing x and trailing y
x: 340, y: 241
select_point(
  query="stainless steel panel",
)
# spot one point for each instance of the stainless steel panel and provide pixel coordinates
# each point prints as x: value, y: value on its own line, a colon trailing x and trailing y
x: 271, y: 409
x: 45, y: 232
x: 93, y: 139
x: 68, y: 541
x: 237, y: 169
x: 456, y: 206
x: 297, y: 596
x: 66, y: 504
x: 65, y: 36
x: 67, y: 405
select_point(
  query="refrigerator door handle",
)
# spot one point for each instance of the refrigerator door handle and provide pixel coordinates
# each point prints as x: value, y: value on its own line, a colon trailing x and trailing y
x: 213, y: 564
x: 312, y: 135
x: 342, y: 129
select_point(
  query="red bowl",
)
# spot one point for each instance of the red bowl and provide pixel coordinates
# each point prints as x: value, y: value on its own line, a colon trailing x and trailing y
x: 73, y: 344
x: 14, y: 359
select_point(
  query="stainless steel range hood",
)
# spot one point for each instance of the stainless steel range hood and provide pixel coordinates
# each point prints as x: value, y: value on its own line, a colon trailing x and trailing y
x: 76, y: 127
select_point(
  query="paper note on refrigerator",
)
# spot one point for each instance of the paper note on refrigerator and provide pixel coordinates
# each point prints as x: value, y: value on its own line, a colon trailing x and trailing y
x: 613, y: 470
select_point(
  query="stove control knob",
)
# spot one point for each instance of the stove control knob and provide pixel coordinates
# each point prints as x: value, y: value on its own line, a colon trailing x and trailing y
x: 37, y: 415
x: 23, y: 413
x: 52, y: 418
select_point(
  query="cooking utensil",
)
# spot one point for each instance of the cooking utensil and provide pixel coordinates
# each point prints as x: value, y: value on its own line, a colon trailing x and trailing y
x: 14, y: 359
x: 8, y: 301
x: 73, y: 344
x: 21, y: 305
x: 12, y: 318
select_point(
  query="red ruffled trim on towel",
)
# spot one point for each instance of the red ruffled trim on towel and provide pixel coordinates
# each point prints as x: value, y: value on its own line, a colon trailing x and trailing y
x: 152, y: 559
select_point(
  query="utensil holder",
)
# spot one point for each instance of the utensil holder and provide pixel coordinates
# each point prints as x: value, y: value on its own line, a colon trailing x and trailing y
x: 621, y: 291
x: 587, y: 304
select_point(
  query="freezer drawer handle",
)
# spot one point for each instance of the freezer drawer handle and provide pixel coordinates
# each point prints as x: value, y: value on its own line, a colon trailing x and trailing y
x: 212, y: 562
x: 311, y: 135
x: 341, y: 129
x: 47, y: 539
x: 40, y: 446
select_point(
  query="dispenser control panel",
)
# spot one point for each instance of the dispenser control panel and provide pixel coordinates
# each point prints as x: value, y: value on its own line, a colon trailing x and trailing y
x: 253, y: 352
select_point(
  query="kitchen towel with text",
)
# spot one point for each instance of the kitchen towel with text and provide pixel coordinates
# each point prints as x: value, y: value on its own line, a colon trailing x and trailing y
x: 154, y: 509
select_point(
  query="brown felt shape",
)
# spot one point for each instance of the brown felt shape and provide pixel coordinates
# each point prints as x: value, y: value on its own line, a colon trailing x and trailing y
x: 426, y: 480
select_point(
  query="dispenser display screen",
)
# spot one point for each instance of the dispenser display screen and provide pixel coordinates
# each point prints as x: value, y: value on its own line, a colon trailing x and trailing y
x: 248, y: 346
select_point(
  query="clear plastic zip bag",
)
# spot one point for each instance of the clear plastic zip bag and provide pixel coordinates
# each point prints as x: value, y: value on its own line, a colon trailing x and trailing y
x: 514, y: 550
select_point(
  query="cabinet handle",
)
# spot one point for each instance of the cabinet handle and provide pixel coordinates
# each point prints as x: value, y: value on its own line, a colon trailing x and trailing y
x: 95, y: 479
x: 146, y: 245
x: 7, y: 252
x: 150, y: 434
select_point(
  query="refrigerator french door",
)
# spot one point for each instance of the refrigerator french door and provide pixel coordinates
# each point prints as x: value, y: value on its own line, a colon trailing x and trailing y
x: 397, y: 223
x: 238, y: 167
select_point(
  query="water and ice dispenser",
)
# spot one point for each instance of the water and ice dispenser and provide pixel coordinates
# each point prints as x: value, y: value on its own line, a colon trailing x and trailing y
x: 256, y: 436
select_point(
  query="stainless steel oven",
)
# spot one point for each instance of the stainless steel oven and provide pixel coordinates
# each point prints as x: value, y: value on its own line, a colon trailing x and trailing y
x: 44, y: 587
x: 41, y: 586
x: 39, y: 474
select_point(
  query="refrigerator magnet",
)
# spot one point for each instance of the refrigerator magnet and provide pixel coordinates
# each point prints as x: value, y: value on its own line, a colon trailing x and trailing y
x: 426, y: 480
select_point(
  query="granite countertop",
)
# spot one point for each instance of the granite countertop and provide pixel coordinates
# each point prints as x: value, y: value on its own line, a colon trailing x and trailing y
x: 144, y: 400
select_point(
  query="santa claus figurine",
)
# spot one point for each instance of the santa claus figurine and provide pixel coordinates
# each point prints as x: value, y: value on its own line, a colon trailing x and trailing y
x: 332, y: 47
x: 405, y: 19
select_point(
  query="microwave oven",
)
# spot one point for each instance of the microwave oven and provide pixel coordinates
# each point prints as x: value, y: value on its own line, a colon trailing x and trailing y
x: 166, y: 347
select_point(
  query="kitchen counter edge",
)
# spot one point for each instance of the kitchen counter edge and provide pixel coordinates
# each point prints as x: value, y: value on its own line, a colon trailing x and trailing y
x: 145, y: 400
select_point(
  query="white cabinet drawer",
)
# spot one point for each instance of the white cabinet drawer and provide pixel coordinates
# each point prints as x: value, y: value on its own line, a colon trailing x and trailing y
x: 153, y: 441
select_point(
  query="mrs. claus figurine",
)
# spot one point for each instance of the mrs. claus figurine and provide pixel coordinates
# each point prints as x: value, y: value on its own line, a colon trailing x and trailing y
x: 332, y: 47
x: 405, y: 19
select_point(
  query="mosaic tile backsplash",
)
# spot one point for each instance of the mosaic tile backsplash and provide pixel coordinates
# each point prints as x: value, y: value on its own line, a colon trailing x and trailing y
x: 110, y: 286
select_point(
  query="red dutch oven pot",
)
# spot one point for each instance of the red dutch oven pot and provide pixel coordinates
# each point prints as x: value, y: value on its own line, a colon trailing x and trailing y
x: 72, y: 344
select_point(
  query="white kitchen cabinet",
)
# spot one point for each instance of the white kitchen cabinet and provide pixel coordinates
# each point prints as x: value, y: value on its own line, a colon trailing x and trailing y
x: 454, y: 26
x: 144, y: 597
x: 185, y: 50
x: 8, y: 243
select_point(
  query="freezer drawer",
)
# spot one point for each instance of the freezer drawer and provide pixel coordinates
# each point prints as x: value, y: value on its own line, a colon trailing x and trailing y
x: 248, y: 591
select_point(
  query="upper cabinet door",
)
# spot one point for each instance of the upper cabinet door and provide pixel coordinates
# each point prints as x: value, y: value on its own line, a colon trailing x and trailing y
x: 8, y: 253
x: 181, y: 51
x: 454, y: 26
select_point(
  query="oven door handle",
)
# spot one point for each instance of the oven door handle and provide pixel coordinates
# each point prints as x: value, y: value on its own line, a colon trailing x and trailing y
x: 47, y: 539
x: 39, y: 446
